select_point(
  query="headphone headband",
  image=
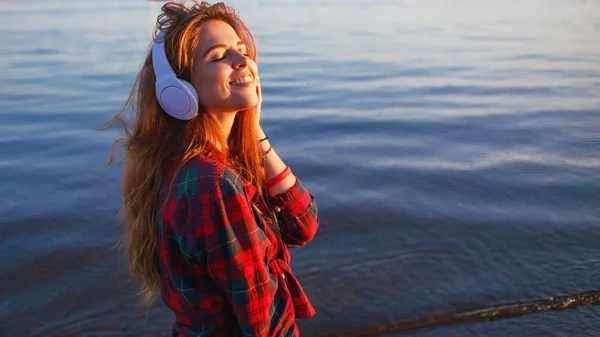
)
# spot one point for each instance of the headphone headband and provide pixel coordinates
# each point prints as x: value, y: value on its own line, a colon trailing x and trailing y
x: 159, y: 57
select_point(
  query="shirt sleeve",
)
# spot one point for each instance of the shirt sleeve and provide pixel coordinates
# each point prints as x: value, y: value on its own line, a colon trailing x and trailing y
x: 298, y: 216
x: 236, y: 249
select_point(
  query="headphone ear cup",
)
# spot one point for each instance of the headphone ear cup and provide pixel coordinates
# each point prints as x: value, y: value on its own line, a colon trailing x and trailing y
x: 193, y: 94
x: 177, y: 97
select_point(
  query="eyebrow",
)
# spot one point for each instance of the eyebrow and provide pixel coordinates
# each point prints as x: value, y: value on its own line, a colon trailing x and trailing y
x: 239, y: 43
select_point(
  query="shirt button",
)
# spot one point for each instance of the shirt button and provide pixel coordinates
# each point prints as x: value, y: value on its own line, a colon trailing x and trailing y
x: 277, y: 209
x: 283, y: 276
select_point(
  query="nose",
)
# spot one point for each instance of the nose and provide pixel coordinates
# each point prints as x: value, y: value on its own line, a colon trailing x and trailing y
x: 240, y: 60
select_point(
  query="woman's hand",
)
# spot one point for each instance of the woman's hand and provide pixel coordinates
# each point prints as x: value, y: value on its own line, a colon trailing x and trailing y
x: 261, y: 133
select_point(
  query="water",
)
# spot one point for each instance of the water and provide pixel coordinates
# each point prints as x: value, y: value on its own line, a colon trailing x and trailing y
x: 453, y: 146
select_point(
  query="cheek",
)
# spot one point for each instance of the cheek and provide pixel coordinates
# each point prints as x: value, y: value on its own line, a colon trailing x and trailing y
x: 253, y: 66
x: 210, y: 82
x: 216, y: 76
x: 211, y: 77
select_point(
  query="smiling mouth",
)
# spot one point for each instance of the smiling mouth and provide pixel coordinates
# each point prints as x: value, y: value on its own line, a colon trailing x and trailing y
x: 243, y: 80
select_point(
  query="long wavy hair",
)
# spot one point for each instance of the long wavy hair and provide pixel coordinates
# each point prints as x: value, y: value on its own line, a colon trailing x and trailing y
x: 155, y: 137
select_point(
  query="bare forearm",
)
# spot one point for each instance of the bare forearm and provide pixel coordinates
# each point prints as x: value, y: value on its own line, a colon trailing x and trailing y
x: 273, y: 167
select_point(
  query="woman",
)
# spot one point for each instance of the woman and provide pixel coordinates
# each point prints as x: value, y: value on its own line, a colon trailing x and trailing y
x: 210, y: 209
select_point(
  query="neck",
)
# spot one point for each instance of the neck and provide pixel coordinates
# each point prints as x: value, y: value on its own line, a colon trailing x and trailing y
x: 226, y: 120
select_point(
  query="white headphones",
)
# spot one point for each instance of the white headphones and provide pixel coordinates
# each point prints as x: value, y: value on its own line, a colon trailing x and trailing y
x: 177, y: 97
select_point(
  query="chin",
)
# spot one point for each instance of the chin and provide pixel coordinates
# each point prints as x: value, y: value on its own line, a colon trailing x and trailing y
x: 236, y: 102
x: 247, y: 102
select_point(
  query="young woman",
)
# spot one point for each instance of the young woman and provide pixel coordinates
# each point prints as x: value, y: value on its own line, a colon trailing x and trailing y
x: 210, y: 209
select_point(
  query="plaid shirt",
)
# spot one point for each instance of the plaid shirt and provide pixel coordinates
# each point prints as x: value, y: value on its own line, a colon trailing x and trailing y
x: 220, y: 270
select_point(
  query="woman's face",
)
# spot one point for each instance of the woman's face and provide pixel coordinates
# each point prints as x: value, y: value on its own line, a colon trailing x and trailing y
x: 223, y: 75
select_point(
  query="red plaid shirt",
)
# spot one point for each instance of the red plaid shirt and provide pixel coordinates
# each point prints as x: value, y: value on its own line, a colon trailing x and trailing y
x: 220, y: 271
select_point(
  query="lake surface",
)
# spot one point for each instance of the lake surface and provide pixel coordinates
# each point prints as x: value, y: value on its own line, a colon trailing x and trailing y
x: 453, y: 147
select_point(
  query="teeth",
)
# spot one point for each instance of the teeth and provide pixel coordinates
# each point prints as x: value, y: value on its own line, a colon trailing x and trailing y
x: 243, y: 80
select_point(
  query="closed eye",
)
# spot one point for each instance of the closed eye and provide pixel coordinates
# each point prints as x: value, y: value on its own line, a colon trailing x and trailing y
x: 241, y: 48
x: 220, y: 58
x: 225, y: 56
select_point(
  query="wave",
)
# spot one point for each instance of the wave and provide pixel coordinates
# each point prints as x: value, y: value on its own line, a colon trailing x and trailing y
x: 500, y: 311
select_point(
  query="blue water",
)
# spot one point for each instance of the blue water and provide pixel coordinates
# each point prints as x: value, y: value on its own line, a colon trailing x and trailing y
x: 453, y: 147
